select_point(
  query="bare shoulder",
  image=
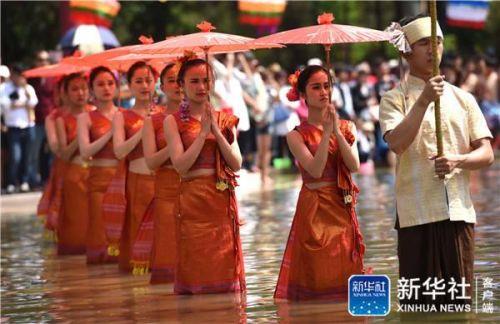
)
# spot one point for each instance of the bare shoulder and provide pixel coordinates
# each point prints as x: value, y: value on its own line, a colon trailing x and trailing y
x: 294, y: 137
x: 170, y: 119
x: 148, y: 121
x: 170, y: 122
x: 119, y: 115
x: 83, y: 117
x: 59, y: 120
x: 351, y: 126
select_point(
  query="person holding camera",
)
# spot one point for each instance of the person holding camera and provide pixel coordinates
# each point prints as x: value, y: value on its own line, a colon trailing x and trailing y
x: 17, y: 101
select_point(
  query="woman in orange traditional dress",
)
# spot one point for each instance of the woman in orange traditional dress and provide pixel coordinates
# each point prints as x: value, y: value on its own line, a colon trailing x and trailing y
x: 163, y: 208
x: 325, y: 246
x: 50, y: 204
x: 72, y: 222
x: 94, y: 135
x: 203, y: 149
x: 127, y: 134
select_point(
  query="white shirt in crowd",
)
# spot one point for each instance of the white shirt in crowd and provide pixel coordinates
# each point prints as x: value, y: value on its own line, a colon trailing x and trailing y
x: 230, y: 90
x: 293, y: 120
x: 17, y: 116
x: 348, y: 105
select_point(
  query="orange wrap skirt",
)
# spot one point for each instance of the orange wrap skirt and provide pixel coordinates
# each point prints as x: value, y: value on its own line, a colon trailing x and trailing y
x: 73, y: 221
x: 324, y: 248
x: 139, y: 193
x: 50, y: 204
x: 209, y: 256
x: 97, y: 242
x: 49, y: 189
x: 165, y: 213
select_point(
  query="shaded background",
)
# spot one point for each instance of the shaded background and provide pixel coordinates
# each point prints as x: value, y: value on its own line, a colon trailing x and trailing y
x: 31, y: 26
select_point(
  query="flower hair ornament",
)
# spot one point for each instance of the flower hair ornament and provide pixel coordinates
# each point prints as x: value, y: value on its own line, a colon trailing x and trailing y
x: 293, y: 93
x: 184, y: 105
x: 187, y: 56
x: 398, y: 38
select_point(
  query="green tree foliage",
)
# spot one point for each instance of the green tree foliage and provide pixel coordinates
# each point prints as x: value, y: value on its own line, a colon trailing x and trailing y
x: 26, y: 28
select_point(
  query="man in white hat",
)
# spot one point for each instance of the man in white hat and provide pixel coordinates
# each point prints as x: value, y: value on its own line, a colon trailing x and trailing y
x: 435, y: 216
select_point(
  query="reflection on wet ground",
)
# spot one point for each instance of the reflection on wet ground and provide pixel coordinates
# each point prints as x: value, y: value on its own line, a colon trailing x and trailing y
x: 37, y: 286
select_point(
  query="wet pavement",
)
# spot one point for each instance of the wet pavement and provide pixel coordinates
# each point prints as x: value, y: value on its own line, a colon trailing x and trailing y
x: 38, y: 286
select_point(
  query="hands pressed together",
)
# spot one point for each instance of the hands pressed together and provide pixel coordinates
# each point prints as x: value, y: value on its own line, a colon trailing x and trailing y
x: 208, y: 120
x: 330, y: 120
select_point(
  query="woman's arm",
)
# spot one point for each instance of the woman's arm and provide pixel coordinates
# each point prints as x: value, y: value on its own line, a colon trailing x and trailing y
x: 245, y: 66
x: 230, y: 152
x: 154, y: 157
x: 183, y: 160
x: 50, y: 130
x: 121, y: 146
x: 66, y: 150
x: 314, y: 165
x: 349, y: 152
x: 87, y: 149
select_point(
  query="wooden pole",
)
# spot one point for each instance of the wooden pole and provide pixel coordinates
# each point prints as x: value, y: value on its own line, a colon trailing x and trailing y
x: 119, y: 88
x: 435, y: 72
x: 329, y: 68
x: 205, y: 49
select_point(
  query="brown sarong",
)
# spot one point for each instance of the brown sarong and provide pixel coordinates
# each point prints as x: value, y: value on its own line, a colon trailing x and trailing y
x: 441, y: 250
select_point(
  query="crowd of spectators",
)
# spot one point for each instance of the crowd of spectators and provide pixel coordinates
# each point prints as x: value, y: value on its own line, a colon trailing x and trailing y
x: 257, y: 95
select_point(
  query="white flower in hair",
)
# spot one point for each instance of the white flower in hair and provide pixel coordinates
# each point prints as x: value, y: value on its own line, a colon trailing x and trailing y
x: 398, y: 38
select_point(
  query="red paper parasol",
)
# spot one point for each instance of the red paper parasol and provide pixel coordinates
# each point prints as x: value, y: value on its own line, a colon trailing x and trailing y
x: 206, y: 41
x: 103, y: 58
x: 55, y: 70
x: 326, y: 33
x: 123, y: 62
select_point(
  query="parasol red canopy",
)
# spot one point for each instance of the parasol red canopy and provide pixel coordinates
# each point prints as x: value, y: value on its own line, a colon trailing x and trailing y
x: 205, y: 40
x: 55, y: 70
x: 123, y: 62
x: 326, y: 33
x: 103, y: 58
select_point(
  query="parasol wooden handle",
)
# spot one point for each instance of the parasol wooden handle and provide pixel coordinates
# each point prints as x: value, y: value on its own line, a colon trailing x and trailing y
x: 329, y: 68
x: 205, y: 49
x: 435, y: 72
